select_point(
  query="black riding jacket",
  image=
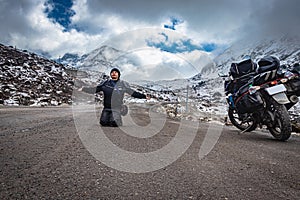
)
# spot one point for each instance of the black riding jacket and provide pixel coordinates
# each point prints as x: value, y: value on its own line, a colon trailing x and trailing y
x: 114, y: 93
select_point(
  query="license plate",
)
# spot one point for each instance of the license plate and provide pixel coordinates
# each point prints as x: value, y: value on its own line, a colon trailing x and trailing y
x: 281, y: 98
x: 276, y: 89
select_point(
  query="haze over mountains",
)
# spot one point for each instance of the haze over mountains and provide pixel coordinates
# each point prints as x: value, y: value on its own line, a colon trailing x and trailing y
x: 287, y: 49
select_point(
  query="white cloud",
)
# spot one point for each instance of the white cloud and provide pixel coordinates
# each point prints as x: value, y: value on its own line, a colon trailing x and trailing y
x: 140, y: 61
x: 25, y: 25
x: 153, y: 64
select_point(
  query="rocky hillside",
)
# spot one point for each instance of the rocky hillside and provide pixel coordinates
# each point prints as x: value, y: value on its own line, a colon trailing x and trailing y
x: 286, y: 48
x: 28, y: 79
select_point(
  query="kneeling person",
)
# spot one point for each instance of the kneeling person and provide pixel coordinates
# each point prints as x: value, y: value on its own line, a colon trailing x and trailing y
x: 113, y: 90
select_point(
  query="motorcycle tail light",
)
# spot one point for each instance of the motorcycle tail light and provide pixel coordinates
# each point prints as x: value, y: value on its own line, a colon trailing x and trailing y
x: 274, y: 82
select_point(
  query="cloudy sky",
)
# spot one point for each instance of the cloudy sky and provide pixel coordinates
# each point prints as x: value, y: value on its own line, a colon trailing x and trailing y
x: 55, y: 27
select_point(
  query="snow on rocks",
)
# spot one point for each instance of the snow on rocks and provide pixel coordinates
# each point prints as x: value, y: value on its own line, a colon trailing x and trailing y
x: 30, y: 80
x: 206, y: 103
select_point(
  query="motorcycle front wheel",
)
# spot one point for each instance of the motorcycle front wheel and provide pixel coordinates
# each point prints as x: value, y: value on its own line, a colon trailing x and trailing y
x: 281, y: 127
x: 246, y: 123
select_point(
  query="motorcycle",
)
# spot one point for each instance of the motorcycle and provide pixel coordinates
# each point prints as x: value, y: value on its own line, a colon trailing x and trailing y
x: 258, y: 96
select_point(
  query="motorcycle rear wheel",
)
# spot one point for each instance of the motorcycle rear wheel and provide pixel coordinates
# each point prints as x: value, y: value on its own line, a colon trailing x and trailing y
x: 246, y: 124
x: 281, y: 128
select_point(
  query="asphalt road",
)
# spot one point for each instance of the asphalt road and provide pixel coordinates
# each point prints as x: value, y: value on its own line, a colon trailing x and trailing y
x: 45, y: 154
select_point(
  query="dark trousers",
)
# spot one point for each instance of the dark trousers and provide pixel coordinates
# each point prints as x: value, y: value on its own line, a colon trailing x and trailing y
x: 110, y: 117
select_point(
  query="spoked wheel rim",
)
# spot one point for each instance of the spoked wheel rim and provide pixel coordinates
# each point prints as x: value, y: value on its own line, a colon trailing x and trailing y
x: 277, y: 127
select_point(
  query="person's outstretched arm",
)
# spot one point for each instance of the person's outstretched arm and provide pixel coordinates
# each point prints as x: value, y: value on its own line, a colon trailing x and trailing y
x: 92, y: 90
x: 133, y: 93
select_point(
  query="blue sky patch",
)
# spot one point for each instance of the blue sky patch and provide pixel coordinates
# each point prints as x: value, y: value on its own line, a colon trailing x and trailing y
x: 174, y: 22
x: 60, y: 12
x: 209, y: 47
x: 181, y: 46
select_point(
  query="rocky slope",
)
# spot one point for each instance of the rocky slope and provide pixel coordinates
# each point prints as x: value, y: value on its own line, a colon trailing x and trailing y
x: 286, y: 48
x: 28, y: 79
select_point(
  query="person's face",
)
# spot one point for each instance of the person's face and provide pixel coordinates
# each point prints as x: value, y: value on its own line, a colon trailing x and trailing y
x: 114, y: 75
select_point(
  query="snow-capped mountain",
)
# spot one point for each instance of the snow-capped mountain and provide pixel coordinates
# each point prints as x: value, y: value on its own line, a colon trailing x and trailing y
x: 99, y: 60
x: 286, y: 48
x: 102, y: 59
x: 27, y: 79
x: 71, y: 59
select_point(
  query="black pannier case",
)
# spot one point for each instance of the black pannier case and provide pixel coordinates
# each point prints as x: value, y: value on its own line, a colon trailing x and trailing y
x: 246, y: 102
x: 242, y: 68
x: 244, y: 80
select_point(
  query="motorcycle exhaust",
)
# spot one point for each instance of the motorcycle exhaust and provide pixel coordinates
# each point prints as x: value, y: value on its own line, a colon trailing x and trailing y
x: 294, y: 99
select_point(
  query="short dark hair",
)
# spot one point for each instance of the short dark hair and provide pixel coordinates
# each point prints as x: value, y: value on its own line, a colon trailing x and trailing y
x: 116, y: 70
